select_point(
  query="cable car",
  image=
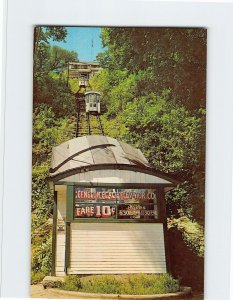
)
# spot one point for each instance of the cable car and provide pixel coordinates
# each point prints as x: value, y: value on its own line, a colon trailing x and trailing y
x: 83, y: 80
x: 92, y: 101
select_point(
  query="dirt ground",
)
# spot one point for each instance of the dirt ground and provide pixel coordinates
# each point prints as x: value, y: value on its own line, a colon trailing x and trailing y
x: 37, y: 291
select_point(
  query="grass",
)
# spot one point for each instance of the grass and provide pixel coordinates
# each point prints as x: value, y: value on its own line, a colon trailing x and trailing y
x: 135, y: 284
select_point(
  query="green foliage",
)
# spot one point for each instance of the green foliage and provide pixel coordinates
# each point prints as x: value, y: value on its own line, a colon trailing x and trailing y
x: 114, y: 127
x: 52, y: 284
x: 167, y: 134
x: 42, y: 198
x: 135, y: 284
x: 50, y: 64
x: 187, y: 199
x: 41, y: 252
x: 166, y: 57
x: 72, y: 283
x: 42, y: 34
x: 36, y: 277
x: 193, y: 233
x: 49, y: 131
x: 54, y: 92
x: 179, y: 202
x: 59, y: 57
x: 44, y: 55
x: 117, y: 89
x: 74, y: 84
x: 48, y: 58
x: 186, y: 244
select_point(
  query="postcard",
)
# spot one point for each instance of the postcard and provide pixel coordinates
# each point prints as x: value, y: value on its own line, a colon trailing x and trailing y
x: 118, y: 161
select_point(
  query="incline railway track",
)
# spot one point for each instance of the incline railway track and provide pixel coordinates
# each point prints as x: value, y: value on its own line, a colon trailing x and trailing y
x: 86, y: 123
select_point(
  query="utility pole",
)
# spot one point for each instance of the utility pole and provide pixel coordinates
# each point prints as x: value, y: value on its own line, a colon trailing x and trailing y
x: 92, y: 46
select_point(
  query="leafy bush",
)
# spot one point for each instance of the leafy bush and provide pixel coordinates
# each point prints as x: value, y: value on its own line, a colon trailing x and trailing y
x: 192, y: 233
x: 36, y: 277
x: 135, y: 284
x: 186, y: 242
x: 72, y: 283
x: 41, y: 251
x: 52, y: 284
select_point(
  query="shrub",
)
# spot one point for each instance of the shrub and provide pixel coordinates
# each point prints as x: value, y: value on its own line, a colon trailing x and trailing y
x: 41, y: 250
x: 72, y: 283
x: 141, y: 284
x: 36, y: 277
x: 192, y: 233
x: 52, y: 284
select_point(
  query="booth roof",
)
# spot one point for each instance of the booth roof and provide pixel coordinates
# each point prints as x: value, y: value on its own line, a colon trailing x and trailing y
x: 94, y: 150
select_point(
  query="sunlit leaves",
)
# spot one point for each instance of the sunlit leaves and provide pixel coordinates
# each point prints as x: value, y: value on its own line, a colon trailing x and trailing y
x: 175, y: 57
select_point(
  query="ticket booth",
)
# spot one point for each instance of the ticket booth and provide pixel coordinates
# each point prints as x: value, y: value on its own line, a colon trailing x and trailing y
x: 109, y: 209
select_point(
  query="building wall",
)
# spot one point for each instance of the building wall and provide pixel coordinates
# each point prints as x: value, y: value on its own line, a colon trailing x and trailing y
x: 60, y: 234
x: 77, y: 69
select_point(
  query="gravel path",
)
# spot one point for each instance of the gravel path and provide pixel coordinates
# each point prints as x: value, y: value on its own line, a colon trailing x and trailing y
x: 37, y: 291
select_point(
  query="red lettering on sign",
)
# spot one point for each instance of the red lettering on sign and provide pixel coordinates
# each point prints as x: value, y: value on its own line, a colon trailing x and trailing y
x: 111, y: 195
x: 106, y: 211
x: 98, y: 214
x: 78, y: 211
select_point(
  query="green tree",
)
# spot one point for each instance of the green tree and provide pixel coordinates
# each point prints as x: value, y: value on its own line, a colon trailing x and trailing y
x: 43, y: 34
x: 50, y: 62
x: 59, y: 57
x: 54, y: 92
x: 166, y: 58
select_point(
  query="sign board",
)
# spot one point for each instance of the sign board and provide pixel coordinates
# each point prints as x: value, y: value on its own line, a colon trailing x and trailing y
x: 114, y: 204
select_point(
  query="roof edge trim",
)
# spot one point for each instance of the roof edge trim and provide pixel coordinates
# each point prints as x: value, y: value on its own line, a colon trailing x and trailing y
x: 84, y: 169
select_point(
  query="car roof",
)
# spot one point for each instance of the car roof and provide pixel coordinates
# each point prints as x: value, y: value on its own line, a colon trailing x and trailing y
x: 91, y: 92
